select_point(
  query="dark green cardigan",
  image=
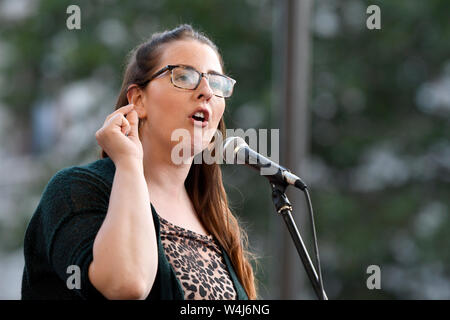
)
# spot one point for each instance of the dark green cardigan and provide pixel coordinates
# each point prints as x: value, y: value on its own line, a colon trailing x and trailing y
x: 62, y: 233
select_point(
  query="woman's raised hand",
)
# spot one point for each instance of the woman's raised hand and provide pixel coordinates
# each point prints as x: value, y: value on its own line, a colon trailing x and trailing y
x: 119, y: 136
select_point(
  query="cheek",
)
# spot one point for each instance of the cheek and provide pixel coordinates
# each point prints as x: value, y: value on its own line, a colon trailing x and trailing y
x: 218, y: 114
x: 161, y: 109
x: 213, y: 127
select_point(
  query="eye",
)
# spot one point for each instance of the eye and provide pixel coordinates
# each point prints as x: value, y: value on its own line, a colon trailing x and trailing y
x: 185, y: 76
x: 215, y: 82
x: 181, y: 77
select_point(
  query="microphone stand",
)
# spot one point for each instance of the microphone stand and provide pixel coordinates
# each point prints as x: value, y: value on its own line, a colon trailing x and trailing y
x: 284, y: 208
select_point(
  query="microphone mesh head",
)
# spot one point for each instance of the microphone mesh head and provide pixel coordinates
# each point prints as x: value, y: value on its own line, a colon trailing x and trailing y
x: 230, y: 147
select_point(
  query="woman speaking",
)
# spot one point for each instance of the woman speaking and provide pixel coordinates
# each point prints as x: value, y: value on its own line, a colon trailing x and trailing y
x: 135, y: 224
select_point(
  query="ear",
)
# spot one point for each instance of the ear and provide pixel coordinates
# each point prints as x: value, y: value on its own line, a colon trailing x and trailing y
x: 135, y: 96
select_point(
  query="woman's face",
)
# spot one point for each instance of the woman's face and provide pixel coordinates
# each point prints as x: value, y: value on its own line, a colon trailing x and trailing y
x: 168, y: 108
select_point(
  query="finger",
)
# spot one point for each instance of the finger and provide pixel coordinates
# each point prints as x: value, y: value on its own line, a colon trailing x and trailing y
x: 125, y: 126
x: 122, y: 110
x: 133, y: 120
x: 119, y: 121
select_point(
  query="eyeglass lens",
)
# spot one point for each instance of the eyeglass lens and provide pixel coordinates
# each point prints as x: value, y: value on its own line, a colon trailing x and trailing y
x: 188, y: 78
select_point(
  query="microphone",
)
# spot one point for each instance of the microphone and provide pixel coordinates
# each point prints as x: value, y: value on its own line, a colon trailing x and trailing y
x: 235, y: 148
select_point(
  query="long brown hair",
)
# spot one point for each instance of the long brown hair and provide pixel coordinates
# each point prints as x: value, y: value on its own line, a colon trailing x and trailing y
x: 204, y: 181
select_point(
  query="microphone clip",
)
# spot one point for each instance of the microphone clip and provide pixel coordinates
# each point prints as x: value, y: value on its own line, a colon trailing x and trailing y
x: 279, y: 198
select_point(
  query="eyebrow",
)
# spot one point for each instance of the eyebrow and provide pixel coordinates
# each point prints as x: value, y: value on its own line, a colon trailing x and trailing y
x: 209, y: 71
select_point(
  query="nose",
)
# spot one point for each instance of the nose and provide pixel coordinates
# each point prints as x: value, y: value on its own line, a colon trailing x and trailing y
x: 204, y: 90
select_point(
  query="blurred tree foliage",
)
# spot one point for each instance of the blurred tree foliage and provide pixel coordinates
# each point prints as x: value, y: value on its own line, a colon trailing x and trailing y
x: 380, y: 132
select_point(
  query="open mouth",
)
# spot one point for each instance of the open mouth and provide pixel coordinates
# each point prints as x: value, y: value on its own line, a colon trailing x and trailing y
x: 200, y: 116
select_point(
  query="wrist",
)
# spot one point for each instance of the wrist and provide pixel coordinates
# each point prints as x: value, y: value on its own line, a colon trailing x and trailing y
x: 130, y: 164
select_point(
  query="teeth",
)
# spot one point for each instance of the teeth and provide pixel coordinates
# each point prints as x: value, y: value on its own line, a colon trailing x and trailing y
x: 199, y: 114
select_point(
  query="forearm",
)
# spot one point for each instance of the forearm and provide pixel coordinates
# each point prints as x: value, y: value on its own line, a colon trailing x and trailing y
x: 125, y: 248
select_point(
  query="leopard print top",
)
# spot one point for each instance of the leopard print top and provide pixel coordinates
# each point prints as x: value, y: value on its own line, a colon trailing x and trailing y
x: 198, y: 263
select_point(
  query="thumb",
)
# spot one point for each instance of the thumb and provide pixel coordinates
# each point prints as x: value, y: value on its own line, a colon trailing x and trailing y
x: 133, y: 120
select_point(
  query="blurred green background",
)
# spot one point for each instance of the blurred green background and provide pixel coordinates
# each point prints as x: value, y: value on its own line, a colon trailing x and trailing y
x: 378, y: 163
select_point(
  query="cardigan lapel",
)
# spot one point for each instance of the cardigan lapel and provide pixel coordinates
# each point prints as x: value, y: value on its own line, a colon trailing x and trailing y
x: 241, y: 294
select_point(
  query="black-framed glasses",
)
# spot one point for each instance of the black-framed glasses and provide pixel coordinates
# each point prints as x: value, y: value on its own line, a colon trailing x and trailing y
x: 187, y: 77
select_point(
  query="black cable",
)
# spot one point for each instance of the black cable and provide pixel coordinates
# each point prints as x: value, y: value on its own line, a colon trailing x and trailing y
x: 316, y: 248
